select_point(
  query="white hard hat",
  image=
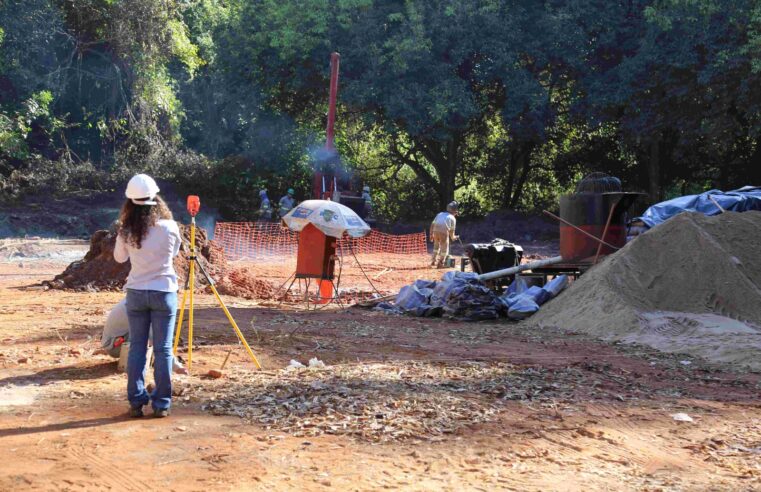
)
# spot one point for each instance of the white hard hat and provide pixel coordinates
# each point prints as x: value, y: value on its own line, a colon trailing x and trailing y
x: 142, y: 190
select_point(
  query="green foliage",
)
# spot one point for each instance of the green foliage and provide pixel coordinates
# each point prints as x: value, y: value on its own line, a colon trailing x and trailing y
x: 499, y: 104
x: 463, y: 92
x: 752, y: 47
x: 43, y: 176
x: 233, y: 185
x: 183, y: 48
x: 16, y: 125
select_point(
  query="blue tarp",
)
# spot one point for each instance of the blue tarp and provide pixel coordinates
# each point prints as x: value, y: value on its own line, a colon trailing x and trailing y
x: 522, y: 301
x: 462, y: 296
x: 413, y: 295
x: 742, y: 200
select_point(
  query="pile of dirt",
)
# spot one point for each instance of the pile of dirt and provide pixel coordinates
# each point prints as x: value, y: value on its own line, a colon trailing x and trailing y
x: 99, y: 271
x: 244, y: 282
x: 691, y: 285
x: 211, y: 256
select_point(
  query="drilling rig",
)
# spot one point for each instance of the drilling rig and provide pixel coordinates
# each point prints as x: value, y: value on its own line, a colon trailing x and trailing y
x: 331, y: 180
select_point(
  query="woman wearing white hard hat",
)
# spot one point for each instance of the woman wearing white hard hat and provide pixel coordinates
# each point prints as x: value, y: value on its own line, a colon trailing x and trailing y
x: 150, y: 239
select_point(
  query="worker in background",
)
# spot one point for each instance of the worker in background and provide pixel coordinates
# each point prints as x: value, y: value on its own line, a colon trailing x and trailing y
x: 442, y: 232
x: 286, y: 203
x: 265, y: 208
x: 368, y: 201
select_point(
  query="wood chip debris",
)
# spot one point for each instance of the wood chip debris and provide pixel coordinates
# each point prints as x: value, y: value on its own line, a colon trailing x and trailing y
x: 386, y: 401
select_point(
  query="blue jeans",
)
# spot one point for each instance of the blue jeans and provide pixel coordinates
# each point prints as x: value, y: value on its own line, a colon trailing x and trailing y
x: 146, y: 308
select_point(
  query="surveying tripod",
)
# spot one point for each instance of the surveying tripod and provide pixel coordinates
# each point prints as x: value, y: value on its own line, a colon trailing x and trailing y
x: 194, y: 205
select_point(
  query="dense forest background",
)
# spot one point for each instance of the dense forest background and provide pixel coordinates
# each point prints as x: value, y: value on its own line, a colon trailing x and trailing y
x: 498, y: 103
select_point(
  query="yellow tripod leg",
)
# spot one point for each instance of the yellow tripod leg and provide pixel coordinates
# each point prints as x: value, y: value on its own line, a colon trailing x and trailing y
x: 178, y: 330
x: 192, y: 286
x: 235, y: 327
x: 190, y: 316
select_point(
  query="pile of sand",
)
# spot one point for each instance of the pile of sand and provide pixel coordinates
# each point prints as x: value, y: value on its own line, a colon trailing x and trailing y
x: 691, y: 285
x: 99, y: 271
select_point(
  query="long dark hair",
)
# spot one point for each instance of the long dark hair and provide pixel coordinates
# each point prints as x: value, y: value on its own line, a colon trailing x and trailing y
x: 137, y: 219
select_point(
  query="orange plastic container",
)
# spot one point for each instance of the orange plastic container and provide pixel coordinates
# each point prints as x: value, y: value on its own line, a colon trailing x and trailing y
x: 315, y: 254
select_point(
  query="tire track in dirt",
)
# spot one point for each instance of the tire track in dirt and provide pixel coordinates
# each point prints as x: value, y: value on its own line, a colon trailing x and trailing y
x: 612, y: 439
x: 110, y: 473
x: 619, y: 439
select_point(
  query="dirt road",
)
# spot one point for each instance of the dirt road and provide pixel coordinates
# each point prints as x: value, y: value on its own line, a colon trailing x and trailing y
x: 554, y: 411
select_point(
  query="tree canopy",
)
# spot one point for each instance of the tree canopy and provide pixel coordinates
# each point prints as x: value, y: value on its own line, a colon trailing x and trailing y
x: 499, y: 104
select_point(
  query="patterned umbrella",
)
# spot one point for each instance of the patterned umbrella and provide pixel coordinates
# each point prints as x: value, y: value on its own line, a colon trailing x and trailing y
x: 332, y: 218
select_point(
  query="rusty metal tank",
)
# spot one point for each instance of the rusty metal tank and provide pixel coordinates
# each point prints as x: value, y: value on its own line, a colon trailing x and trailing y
x: 590, y: 212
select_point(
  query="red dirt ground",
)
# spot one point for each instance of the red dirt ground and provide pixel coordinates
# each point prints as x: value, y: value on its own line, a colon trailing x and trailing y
x: 63, y: 423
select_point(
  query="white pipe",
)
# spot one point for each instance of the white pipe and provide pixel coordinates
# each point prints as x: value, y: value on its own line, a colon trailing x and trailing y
x: 520, y: 268
x: 716, y: 203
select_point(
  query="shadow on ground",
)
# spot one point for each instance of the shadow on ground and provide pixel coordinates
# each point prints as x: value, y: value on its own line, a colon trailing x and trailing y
x: 68, y: 373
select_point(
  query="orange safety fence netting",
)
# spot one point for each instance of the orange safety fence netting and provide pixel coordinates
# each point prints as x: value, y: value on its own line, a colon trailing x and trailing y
x: 249, y: 240
x: 262, y: 259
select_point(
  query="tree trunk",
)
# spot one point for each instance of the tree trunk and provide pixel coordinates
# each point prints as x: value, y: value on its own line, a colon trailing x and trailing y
x: 753, y: 167
x: 507, y: 192
x: 525, y: 168
x: 516, y: 173
x: 445, y: 158
x: 446, y: 161
x: 447, y: 171
x: 446, y: 196
x: 654, y: 172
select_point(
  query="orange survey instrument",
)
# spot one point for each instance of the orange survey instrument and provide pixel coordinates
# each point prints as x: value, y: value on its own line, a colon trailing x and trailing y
x: 194, y: 206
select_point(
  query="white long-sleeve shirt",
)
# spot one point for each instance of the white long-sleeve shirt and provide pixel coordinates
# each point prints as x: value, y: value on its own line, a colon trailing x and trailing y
x: 151, y: 265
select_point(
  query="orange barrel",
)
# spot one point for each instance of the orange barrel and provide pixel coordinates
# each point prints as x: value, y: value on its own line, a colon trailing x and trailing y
x: 589, y: 211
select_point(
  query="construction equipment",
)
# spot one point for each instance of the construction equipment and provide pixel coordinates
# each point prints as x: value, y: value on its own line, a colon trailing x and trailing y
x: 592, y: 225
x: 491, y: 257
x: 331, y: 180
x: 320, y: 223
x: 193, y: 207
x: 520, y: 268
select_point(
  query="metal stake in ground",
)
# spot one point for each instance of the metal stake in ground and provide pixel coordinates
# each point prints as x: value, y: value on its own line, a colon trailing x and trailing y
x: 194, y: 205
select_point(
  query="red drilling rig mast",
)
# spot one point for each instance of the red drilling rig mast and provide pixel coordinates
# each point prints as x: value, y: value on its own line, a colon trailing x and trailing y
x: 331, y: 180
x: 335, y: 61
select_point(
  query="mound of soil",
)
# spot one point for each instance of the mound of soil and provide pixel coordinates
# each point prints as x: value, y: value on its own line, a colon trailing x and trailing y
x: 244, y: 282
x: 211, y: 256
x: 99, y: 271
x: 691, y: 285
